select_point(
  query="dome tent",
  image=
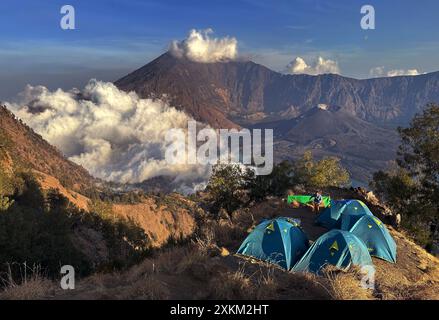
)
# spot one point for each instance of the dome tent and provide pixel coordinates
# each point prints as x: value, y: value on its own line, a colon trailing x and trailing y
x: 343, y: 214
x: 353, y: 211
x: 280, y: 241
x: 336, y: 247
x: 376, y: 237
x: 329, y: 218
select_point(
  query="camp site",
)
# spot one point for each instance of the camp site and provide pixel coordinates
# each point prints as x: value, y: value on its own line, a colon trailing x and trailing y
x: 219, y: 150
x: 354, y: 235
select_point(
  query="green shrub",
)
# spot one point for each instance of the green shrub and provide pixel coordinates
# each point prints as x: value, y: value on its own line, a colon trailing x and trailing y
x: 327, y: 172
x: 5, y: 203
x: 224, y: 186
x: 8, y: 183
x: 276, y: 183
x: 413, y: 188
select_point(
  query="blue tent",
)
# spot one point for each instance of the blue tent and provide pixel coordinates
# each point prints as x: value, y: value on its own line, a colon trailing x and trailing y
x: 336, y: 247
x: 343, y: 214
x: 353, y: 211
x: 377, y: 238
x: 280, y: 241
x: 330, y: 216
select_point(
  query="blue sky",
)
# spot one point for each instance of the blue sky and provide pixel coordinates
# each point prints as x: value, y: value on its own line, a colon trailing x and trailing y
x: 114, y: 37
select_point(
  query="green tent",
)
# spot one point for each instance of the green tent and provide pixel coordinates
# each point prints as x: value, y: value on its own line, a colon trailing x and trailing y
x: 307, y: 199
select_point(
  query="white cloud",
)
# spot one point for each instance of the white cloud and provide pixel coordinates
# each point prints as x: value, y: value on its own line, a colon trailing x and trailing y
x: 200, y: 47
x: 115, y: 135
x: 377, y: 72
x: 321, y: 66
x: 381, y: 72
x: 400, y: 72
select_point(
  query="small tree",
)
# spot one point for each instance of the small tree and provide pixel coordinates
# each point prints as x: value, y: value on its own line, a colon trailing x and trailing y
x: 303, y: 168
x: 413, y: 189
x: 224, y: 185
x: 276, y: 183
x: 327, y: 172
x: 419, y: 153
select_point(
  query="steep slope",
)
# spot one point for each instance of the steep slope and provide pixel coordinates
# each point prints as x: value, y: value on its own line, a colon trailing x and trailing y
x: 223, y: 94
x: 23, y: 147
x: 199, y: 89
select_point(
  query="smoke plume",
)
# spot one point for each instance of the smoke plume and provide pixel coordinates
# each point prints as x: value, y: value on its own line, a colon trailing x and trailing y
x: 200, y: 47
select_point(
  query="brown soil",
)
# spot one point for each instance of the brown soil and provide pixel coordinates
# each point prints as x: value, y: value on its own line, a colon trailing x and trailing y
x: 49, y: 182
x: 162, y: 224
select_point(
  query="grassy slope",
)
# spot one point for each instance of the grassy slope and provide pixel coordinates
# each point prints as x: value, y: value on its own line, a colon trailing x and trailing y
x: 205, y: 269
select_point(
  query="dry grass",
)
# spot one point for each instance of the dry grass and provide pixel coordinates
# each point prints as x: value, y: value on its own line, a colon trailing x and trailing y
x: 149, y: 287
x: 266, y: 286
x: 345, y: 285
x: 227, y: 234
x: 32, y: 286
x: 413, y: 291
x: 231, y: 286
x: 206, y: 268
x: 180, y: 260
x: 36, y: 288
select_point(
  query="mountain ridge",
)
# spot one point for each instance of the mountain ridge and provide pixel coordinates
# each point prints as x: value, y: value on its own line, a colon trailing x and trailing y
x: 236, y: 94
x: 226, y: 93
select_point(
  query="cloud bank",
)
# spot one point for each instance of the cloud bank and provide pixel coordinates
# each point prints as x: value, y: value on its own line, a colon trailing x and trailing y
x: 321, y: 66
x: 200, y: 47
x: 115, y: 135
x: 381, y: 72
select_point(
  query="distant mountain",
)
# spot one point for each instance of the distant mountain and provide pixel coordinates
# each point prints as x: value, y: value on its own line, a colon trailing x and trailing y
x: 225, y: 94
x: 358, y: 125
x: 21, y: 146
x: 362, y: 146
